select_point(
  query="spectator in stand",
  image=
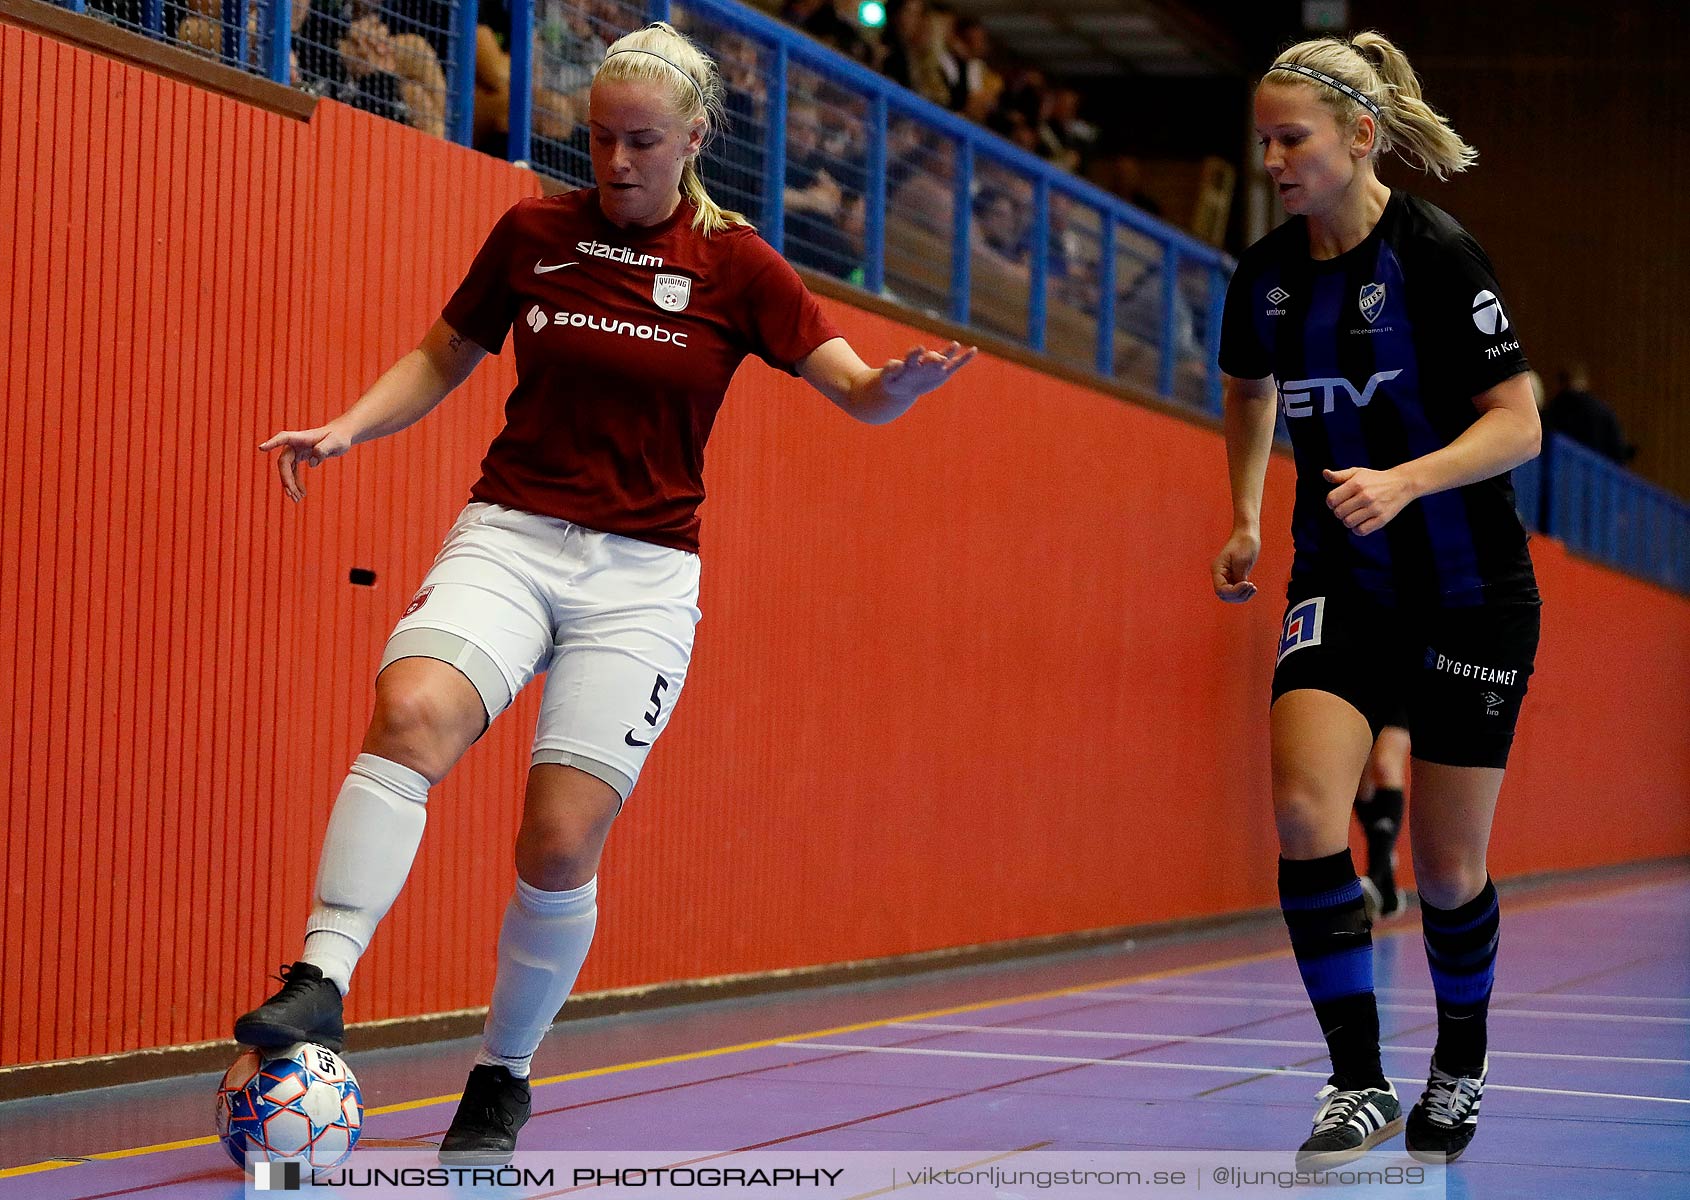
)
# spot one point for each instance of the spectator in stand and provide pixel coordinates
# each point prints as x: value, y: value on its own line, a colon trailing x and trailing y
x: 941, y: 35
x: 202, y: 29
x: 1578, y: 414
x: 823, y: 214
x: 1064, y: 137
x: 976, y: 88
x: 422, y: 83
x: 1012, y: 125
x: 430, y: 20
x: 821, y: 20
x: 1122, y: 175
x: 910, y: 60
x: 345, y: 50
x: 569, y: 43
x: 919, y: 172
x: 366, y: 51
x: 734, y: 169
x: 1000, y: 228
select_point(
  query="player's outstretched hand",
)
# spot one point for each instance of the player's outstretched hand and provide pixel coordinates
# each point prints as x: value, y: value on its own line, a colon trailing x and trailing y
x: 1364, y: 500
x: 921, y: 370
x: 304, y: 448
x: 1230, y: 572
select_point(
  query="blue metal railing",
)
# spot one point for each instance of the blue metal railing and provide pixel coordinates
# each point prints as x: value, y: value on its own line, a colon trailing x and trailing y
x: 1528, y: 490
x: 1147, y: 305
x: 1606, y: 513
x: 1008, y: 287
x: 974, y: 151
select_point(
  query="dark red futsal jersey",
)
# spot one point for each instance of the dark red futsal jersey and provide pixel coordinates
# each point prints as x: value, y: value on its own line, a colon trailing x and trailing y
x: 626, y: 340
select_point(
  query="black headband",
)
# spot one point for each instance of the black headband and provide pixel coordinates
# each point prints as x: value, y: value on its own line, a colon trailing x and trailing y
x: 670, y: 61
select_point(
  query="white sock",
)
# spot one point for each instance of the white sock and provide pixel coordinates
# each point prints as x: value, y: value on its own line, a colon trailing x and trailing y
x: 542, y: 945
x: 373, y: 834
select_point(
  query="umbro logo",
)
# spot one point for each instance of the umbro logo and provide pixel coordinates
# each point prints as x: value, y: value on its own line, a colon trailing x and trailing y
x: 1278, y: 296
x: 541, y: 269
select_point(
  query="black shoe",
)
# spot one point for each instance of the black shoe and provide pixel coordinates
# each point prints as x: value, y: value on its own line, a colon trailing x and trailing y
x: 1382, y: 903
x: 1348, y: 1124
x: 495, y: 1106
x: 307, y: 1009
x: 1447, y: 1116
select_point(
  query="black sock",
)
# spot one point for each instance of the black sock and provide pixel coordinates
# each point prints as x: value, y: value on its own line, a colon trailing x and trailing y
x: 1333, y: 942
x: 1461, y: 951
x: 1381, y: 821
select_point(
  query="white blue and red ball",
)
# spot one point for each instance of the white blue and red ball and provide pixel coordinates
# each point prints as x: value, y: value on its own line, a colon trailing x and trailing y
x: 298, y: 1104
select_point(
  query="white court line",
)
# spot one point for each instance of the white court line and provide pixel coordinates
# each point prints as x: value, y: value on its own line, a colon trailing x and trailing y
x: 1169, y: 1066
x: 1112, y: 1035
x: 1498, y: 998
x: 1426, y: 1008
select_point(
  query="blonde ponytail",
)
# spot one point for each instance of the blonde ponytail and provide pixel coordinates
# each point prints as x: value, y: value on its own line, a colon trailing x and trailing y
x: 668, y: 58
x: 1374, y: 67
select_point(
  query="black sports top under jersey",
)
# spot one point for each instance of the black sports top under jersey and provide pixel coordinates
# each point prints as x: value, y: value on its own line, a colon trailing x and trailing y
x: 1377, y: 355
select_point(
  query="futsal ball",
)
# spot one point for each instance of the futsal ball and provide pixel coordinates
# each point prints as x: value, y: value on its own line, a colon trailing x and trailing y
x: 299, y: 1104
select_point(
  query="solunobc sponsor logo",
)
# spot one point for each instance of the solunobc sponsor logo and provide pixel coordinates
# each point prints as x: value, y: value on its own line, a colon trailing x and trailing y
x: 539, y: 318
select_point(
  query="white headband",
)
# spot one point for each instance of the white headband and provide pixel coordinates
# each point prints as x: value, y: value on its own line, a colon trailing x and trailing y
x: 1365, y: 101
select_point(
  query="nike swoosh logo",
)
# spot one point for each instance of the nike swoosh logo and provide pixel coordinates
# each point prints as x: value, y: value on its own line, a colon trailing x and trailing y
x: 629, y: 738
x: 544, y: 270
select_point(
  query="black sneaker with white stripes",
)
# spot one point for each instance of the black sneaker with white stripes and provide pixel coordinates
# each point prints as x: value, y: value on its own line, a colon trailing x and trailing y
x: 1348, y: 1124
x: 1447, y: 1116
x: 1383, y: 905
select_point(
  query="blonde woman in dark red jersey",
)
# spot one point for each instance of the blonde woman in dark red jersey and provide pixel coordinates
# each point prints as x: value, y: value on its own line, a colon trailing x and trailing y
x: 632, y: 305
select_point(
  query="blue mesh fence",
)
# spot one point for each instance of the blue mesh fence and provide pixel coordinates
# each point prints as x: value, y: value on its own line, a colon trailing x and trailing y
x: 1603, y: 511
x: 877, y: 188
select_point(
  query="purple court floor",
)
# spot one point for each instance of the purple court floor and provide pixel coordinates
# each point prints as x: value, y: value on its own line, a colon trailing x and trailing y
x: 1200, y: 1041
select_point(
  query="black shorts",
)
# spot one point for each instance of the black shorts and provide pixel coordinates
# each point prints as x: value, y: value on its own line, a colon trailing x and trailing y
x: 1453, y: 677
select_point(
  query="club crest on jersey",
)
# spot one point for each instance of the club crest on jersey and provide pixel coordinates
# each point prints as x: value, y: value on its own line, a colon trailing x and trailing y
x: 672, y: 292
x: 1372, y: 301
x: 1302, y: 626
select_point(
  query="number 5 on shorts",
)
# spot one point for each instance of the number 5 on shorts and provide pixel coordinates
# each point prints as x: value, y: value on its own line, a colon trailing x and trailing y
x: 657, y: 690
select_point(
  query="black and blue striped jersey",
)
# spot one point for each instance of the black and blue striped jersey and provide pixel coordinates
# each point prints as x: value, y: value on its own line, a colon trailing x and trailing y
x: 1377, y: 355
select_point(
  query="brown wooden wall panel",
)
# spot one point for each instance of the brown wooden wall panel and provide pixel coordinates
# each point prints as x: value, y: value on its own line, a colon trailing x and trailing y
x: 1581, y: 116
x: 959, y: 680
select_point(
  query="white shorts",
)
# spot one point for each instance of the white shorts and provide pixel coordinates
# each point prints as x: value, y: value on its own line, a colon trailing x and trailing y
x: 609, y: 620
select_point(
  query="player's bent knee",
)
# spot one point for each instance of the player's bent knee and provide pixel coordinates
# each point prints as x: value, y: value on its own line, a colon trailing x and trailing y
x: 560, y: 854
x: 412, y: 653
x: 426, y: 715
x: 1310, y: 823
x: 565, y: 822
x: 1447, y: 884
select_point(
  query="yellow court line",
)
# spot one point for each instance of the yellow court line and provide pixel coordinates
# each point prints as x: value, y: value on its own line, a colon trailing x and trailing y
x: 1174, y: 972
x: 55, y: 1164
